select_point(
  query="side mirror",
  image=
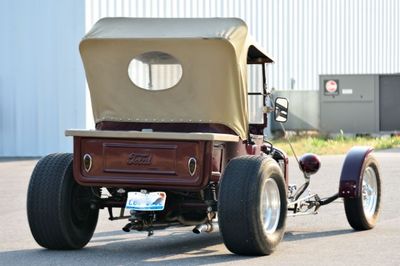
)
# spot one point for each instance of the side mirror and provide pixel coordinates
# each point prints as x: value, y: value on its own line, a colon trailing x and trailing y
x: 281, y: 109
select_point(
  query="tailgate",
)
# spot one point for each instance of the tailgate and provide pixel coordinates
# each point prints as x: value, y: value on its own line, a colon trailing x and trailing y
x: 142, y: 163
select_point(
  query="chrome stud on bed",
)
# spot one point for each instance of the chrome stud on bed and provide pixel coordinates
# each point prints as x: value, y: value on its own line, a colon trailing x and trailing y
x: 192, y: 165
x: 87, y: 162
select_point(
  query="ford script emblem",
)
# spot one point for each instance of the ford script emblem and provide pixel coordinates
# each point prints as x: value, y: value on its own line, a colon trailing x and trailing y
x: 139, y: 158
x: 192, y: 164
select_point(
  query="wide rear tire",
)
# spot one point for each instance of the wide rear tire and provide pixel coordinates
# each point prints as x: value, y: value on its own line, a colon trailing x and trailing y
x: 59, y: 212
x: 362, y: 212
x: 252, y: 205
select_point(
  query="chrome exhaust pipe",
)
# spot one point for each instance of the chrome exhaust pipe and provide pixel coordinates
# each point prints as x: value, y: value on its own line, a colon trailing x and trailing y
x: 128, y: 227
x: 207, y: 227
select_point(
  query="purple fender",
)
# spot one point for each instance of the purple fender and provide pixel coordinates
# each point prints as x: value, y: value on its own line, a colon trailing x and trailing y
x: 349, y: 186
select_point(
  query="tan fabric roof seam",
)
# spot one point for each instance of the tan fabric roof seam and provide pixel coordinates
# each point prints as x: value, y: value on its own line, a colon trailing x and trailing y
x: 212, y: 51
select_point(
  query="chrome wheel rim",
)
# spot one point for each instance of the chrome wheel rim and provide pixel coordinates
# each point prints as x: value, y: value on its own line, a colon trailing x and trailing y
x: 270, y: 206
x: 369, y: 192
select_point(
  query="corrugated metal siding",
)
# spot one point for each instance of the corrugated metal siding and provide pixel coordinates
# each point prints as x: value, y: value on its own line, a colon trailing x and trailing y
x: 306, y: 37
x: 41, y: 78
x: 42, y: 81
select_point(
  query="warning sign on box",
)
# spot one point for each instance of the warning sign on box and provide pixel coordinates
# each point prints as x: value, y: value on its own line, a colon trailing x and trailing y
x: 331, y: 87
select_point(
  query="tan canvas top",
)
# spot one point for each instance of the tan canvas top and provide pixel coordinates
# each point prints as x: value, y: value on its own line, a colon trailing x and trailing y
x: 212, y: 51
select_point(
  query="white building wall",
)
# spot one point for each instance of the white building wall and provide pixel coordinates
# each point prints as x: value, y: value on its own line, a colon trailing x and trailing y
x: 42, y: 80
x: 42, y: 86
x: 306, y: 37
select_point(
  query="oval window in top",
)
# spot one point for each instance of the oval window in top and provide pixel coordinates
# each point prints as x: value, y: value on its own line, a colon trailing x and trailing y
x: 155, y: 71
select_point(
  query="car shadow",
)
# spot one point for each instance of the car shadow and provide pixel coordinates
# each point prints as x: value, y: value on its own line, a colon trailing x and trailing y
x: 297, y: 236
x: 176, y: 247
x: 107, y: 248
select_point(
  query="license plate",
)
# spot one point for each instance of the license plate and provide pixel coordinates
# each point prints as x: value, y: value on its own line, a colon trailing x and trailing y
x: 141, y: 201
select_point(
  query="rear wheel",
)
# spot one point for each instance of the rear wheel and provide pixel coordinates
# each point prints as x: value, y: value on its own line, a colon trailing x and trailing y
x: 252, y: 205
x: 362, y: 212
x: 59, y: 212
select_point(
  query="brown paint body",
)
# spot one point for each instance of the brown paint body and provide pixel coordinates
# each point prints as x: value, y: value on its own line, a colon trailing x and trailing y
x: 350, y: 185
x: 155, y: 164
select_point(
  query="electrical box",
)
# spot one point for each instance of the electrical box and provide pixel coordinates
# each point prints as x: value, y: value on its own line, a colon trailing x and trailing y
x: 359, y: 104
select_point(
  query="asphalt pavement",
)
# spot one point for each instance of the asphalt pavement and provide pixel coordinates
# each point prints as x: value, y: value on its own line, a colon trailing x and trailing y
x: 323, y: 239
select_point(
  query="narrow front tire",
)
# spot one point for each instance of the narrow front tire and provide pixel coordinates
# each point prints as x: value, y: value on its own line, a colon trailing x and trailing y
x: 362, y: 212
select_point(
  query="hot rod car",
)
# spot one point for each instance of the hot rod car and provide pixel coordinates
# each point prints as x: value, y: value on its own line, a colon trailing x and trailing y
x: 179, y: 140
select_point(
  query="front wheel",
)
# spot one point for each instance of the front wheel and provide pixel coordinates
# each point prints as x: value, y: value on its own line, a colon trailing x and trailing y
x: 59, y: 212
x: 362, y: 212
x: 252, y: 205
